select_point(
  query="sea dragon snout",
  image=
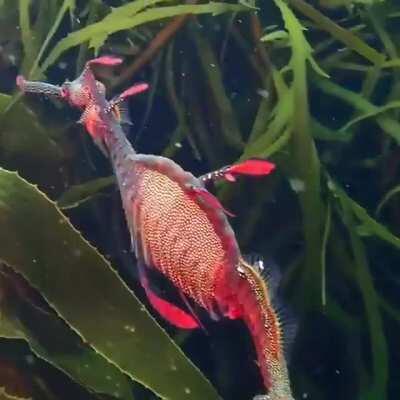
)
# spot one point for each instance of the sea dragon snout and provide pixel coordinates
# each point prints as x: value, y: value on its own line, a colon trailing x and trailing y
x: 179, y: 228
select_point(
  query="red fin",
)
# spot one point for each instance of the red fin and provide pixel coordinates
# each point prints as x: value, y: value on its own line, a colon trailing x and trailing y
x: 251, y: 167
x: 210, y: 199
x: 121, y: 113
x: 173, y: 314
x: 106, y: 60
x: 133, y: 90
x: 117, y: 103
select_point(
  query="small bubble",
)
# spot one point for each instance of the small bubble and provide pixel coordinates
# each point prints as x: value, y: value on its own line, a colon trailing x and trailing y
x: 187, y: 390
x: 212, y: 65
x: 337, y: 372
x: 34, y: 260
x: 304, y: 395
x: 178, y: 145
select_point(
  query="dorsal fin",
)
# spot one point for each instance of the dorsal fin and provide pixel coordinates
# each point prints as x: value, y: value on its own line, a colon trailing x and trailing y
x: 121, y: 113
x: 269, y: 271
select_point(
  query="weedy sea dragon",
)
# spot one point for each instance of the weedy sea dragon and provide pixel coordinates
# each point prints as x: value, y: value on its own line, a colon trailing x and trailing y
x: 179, y: 228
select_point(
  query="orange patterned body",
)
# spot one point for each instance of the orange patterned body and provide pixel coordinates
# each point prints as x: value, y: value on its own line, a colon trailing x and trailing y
x: 189, y: 242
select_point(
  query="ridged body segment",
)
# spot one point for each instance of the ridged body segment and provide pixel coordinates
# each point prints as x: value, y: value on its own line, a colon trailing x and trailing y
x: 258, y: 313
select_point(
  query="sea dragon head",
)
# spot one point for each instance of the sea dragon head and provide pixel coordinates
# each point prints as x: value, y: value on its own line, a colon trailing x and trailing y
x: 88, y: 94
x: 77, y: 93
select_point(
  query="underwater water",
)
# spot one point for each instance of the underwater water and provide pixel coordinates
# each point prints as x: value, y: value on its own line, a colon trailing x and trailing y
x: 311, y: 86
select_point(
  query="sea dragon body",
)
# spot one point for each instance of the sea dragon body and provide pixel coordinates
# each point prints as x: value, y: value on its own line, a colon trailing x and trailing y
x: 180, y: 228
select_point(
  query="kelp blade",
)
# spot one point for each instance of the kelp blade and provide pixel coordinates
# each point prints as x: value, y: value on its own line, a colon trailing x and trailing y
x: 50, y: 339
x: 40, y: 243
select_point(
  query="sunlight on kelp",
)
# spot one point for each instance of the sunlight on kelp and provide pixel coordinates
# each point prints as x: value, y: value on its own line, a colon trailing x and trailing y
x: 314, y: 85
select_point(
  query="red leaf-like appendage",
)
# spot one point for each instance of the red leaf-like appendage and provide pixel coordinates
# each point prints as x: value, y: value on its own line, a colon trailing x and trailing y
x: 251, y: 167
x: 106, y: 60
x: 173, y: 314
x: 134, y: 90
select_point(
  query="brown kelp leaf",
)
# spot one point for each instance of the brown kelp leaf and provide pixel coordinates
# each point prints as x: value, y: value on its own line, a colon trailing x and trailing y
x: 40, y: 243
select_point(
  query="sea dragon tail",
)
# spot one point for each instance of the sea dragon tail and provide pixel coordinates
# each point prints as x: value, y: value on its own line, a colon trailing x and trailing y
x: 253, y: 299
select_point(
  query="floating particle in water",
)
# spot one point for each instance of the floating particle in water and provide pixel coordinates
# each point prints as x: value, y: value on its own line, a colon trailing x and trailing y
x: 178, y: 145
x: 173, y: 367
x: 12, y: 59
x: 108, y: 377
x: 77, y: 253
x: 297, y: 185
x: 187, y: 390
x: 62, y: 65
x: 263, y: 93
x: 304, y: 395
x: 130, y: 328
x: 30, y: 359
